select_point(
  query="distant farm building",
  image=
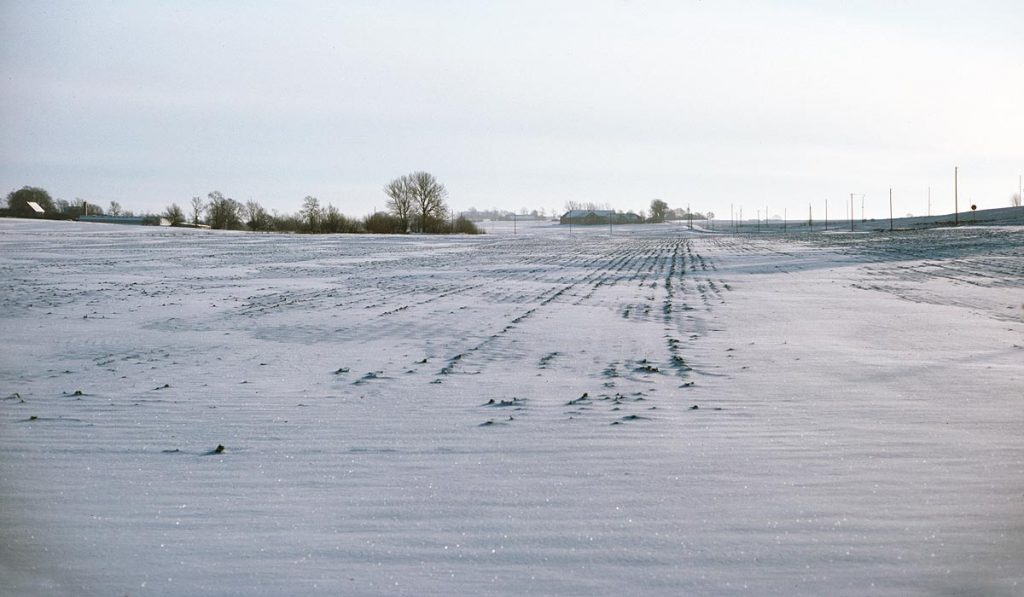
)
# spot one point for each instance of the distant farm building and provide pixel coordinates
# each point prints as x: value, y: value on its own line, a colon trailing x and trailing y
x: 596, y: 217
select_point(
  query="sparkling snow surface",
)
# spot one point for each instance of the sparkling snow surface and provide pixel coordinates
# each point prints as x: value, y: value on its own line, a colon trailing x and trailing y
x: 510, y: 414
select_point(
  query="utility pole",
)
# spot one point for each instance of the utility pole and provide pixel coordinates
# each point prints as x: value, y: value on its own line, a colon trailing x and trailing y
x: 851, y: 212
x: 890, y: 209
x: 514, y: 226
x: 810, y: 219
x: 956, y: 195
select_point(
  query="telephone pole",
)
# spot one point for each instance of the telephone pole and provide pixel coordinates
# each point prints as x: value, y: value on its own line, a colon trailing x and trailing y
x: 890, y: 209
x: 851, y: 212
x: 956, y: 195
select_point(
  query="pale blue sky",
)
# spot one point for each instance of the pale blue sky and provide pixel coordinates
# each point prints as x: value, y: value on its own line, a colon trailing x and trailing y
x: 516, y: 104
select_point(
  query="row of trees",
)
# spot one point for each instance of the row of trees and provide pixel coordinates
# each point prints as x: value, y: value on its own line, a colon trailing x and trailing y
x: 416, y: 203
x: 507, y: 215
x: 661, y: 212
x: 224, y: 213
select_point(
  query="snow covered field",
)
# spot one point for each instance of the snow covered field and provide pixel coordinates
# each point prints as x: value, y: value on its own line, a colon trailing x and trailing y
x: 651, y: 412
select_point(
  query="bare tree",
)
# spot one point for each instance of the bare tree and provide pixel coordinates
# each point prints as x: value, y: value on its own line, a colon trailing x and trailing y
x: 1015, y: 200
x: 174, y: 214
x: 223, y: 212
x: 197, y: 208
x: 331, y: 221
x: 311, y: 213
x: 400, y: 202
x: 115, y: 208
x: 428, y: 197
x: 256, y: 218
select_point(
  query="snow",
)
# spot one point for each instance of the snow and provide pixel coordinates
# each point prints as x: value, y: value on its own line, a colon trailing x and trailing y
x: 857, y: 430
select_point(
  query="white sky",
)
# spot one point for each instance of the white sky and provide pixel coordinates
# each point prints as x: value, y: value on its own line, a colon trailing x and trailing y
x: 516, y: 104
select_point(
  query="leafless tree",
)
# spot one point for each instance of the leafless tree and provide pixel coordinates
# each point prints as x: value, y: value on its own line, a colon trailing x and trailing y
x: 1015, y: 200
x: 174, y: 214
x: 400, y: 202
x: 428, y: 197
x: 311, y: 213
x: 197, y: 208
x: 115, y: 208
x: 223, y: 212
x: 257, y: 218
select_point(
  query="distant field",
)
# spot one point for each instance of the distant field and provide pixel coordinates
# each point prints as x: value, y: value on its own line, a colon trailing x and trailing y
x: 646, y: 410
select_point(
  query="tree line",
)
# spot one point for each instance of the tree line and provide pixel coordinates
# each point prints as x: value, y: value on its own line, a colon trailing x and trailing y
x: 416, y: 202
x: 659, y: 211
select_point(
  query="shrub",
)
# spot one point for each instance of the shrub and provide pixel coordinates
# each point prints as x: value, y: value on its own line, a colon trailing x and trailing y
x: 465, y: 226
x: 383, y: 223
